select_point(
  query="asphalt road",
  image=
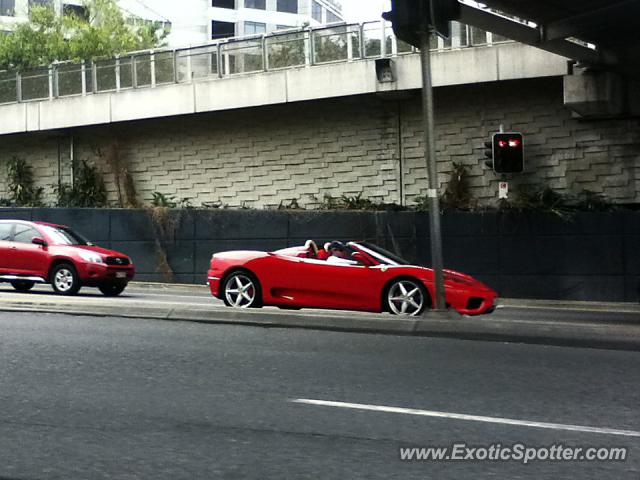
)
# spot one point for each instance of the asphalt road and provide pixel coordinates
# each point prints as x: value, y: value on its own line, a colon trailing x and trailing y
x: 114, y: 398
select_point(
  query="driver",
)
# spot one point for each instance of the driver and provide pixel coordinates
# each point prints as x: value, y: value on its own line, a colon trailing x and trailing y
x: 311, y: 249
x: 339, y: 254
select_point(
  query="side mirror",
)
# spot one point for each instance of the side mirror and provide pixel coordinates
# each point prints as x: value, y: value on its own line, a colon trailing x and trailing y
x: 362, y: 258
x: 39, y: 241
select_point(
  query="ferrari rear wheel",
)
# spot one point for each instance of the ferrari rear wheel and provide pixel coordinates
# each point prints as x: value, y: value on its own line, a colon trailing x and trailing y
x: 406, y: 297
x: 241, y: 290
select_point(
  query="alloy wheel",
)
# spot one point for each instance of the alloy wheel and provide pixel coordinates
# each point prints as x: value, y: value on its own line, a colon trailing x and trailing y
x: 240, y: 291
x: 64, y: 280
x: 405, y: 297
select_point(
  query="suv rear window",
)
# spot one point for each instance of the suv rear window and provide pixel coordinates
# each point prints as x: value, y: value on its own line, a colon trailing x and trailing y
x: 25, y: 233
x: 5, y: 231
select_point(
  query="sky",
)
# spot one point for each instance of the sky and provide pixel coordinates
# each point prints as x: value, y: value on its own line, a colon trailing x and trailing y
x: 361, y: 10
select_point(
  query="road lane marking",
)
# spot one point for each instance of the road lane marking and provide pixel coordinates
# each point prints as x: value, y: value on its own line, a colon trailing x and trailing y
x: 471, y: 418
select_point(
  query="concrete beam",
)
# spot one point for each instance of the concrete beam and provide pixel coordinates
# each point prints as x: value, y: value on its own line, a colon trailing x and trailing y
x: 74, y: 111
x: 163, y: 101
x: 240, y: 92
x: 534, y: 36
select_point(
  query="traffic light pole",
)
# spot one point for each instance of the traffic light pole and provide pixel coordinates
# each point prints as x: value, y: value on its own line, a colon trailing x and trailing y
x: 432, y: 172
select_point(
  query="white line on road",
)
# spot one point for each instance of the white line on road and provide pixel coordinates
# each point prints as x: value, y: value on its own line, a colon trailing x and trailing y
x: 471, y: 418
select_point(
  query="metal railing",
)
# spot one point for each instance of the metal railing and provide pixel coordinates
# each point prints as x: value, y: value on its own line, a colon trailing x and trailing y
x: 234, y: 56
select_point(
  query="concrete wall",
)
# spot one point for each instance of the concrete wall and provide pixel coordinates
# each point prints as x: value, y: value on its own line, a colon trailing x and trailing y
x: 368, y: 144
x: 591, y: 257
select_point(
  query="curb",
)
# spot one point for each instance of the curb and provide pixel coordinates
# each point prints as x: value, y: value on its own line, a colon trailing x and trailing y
x: 574, y: 305
x: 528, y: 303
x: 433, y: 324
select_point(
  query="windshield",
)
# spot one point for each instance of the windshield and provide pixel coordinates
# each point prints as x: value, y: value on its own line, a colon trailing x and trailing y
x: 64, y: 236
x: 380, y: 254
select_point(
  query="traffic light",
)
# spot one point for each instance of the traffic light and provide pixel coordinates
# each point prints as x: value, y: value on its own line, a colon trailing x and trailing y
x: 442, y: 13
x: 412, y: 17
x: 409, y: 19
x: 506, y: 152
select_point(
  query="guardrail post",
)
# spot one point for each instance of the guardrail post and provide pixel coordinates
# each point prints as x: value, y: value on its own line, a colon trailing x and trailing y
x: 312, y: 46
x: 83, y: 71
x: 134, y: 72
x: 349, y: 45
x: 94, y: 77
x: 18, y: 87
x: 117, y: 73
x: 189, y: 68
x: 152, y: 68
x: 175, y: 66
x: 363, y: 53
x: 223, y: 63
x: 306, y: 43
x: 50, y: 78
x: 265, y: 56
x: 383, y: 43
x: 56, y: 80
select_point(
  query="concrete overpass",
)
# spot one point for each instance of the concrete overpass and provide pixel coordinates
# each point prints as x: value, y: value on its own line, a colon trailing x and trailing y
x: 280, y: 68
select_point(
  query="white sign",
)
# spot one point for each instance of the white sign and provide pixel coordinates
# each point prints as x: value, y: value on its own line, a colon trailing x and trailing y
x: 503, y: 190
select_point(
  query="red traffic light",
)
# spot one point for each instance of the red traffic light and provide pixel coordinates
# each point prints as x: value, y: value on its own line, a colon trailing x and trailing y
x: 511, y: 142
x: 508, y: 152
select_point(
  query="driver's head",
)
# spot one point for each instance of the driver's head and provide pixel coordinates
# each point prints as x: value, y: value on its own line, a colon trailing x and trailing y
x: 338, y: 249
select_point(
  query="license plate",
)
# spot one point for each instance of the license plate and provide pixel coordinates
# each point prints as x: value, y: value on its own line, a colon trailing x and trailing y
x: 121, y: 274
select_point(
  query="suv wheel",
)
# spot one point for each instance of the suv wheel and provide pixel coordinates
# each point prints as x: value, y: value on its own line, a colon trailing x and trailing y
x: 112, y: 289
x: 23, y: 285
x: 64, y: 279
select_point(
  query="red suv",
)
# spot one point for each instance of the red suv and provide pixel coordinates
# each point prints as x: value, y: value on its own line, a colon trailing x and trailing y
x: 36, y: 252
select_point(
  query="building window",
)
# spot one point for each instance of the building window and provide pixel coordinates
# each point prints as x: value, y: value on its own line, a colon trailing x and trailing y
x: 257, y: 4
x: 222, y: 29
x: 8, y: 8
x: 77, y: 10
x: 283, y: 27
x: 288, y: 6
x: 332, y: 18
x: 224, y: 4
x: 316, y: 11
x: 254, y: 27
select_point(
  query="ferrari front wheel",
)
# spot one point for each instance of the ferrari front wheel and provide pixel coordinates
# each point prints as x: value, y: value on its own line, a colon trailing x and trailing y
x: 241, y: 290
x: 406, y: 297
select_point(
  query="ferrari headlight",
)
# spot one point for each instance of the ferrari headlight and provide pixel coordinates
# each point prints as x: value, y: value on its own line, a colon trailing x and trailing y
x: 91, y: 257
x: 458, y: 279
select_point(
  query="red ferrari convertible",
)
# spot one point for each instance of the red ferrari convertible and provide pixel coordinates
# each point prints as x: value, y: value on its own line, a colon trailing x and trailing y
x: 366, y: 278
